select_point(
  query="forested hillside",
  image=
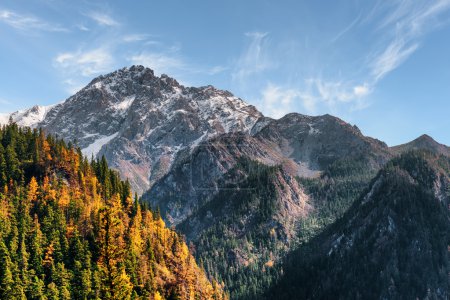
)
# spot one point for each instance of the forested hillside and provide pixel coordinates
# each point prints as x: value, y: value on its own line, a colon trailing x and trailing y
x: 70, y: 229
x: 393, y: 243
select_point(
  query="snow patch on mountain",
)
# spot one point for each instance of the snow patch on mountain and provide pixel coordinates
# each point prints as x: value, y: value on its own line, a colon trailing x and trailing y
x: 125, y: 104
x: 94, y: 148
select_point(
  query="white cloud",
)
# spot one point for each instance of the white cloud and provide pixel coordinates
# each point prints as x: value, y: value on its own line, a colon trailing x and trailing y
x: 161, y: 63
x: 312, y: 96
x: 396, y: 53
x: 28, y: 23
x: 277, y: 100
x: 400, y: 26
x: 135, y: 37
x: 76, y: 67
x: 87, y: 63
x: 346, y: 29
x: 82, y: 27
x: 335, y: 92
x: 254, y: 59
x: 361, y: 90
x: 170, y: 62
x: 405, y: 22
x: 216, y: 70
x: 103, y: 19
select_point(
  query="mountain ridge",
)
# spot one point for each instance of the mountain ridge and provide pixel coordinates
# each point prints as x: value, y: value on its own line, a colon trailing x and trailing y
x: 201, y: 155
x: 115, y: 114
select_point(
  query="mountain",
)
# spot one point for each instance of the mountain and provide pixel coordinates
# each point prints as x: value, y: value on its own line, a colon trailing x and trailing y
x: 317, y: 142
x: 69, y: 229
x: 424, y: 142
x: 238, y: 195
x: 230, y: 196
x: 305, y: 146
x: 140, y: 121
x: 391, y: 244
x: 244, y: 190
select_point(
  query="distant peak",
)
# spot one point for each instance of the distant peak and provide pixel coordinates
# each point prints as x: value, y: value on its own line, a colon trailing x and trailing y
x: 423, y: 142
x: 425, y: 137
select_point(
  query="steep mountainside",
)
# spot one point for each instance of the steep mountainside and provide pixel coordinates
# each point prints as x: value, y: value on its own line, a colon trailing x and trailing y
x: 234, y: 187
x: 424, y: 142
x: 207, y: 192
x: 69, y: 229
x: 392, y: 244
x: 200, y: 173
x: 305, y: 146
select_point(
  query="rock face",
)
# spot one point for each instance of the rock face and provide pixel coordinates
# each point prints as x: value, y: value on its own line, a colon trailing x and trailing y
x: 316, y: 142
x: 303, y: 145
x: 199, y: 174
x: 140, y: 121
x: 392, y: 244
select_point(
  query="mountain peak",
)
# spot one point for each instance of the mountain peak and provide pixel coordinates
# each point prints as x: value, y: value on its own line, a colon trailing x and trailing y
x: 423, y: 142
x: 140, y: 121
x: 425, y: 138
x: 137, y: 74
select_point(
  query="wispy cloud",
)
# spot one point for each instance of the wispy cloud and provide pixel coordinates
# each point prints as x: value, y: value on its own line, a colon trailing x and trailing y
x: 278, y: 101
x: 254, y: 59
x: 216, y: 70
x: 103, y: 19
x: 28, y: 22
x: 314, y: 95
x: 136, y: 37
x: 5, y: 102
x: 79, y: 66
x: 395, y: 54
x: 168, y: 60
x: 396, y: 28
x: 404, y: 23
x: 161, y: 63
x: 87, y: 63
x: 346, y: 29
x: 82, y: 27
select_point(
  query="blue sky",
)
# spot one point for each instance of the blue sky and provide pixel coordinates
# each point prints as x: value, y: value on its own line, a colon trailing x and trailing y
x: 382, y: 65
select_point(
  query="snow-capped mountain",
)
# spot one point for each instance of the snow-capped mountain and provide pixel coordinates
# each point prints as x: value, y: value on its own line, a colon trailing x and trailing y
x: 28, y: 117
x: 140, y: 121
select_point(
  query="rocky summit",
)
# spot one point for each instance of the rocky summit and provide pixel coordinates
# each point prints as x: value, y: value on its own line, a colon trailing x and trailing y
x: 140, y: 121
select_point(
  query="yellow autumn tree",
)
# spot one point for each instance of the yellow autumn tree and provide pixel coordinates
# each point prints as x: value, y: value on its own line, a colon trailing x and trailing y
x: 32, y: 190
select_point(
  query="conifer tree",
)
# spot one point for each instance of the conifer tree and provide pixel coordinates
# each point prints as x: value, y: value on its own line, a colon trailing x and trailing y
x: 6, y: 277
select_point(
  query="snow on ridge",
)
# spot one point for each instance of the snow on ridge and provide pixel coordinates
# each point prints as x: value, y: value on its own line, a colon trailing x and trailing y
x: 27, y: 117
x: 94, y: 148
x: 126, y: 103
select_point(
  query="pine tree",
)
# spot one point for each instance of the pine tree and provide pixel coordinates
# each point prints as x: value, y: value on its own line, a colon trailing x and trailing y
x: 6, y: 277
